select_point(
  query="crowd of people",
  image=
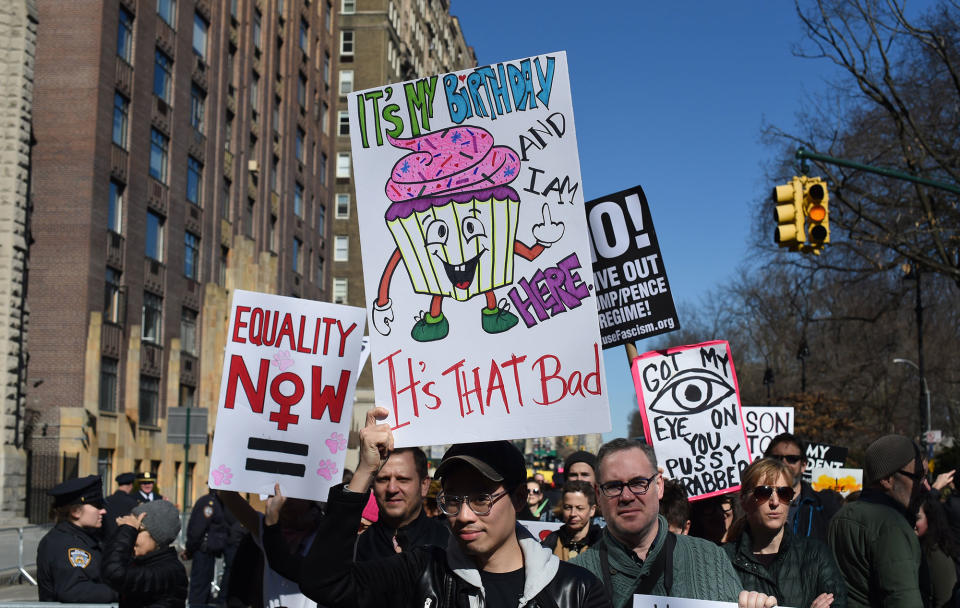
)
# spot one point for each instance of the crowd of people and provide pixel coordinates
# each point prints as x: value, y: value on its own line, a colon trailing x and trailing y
x: 392, y: 536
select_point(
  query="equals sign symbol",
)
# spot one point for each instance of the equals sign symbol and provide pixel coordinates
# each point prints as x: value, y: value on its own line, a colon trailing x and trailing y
x: 277, y: 467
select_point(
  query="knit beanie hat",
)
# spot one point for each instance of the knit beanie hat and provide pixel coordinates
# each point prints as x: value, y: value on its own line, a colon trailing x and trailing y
x: 162, y: 521
x: 886, y: 456
x: 580, y: 456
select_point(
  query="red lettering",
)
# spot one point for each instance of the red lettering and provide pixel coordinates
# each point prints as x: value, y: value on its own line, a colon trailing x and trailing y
x: 286, y: 329
x: 326, y: 335
x: 238, y: 372
x: 594, y: 376
x: 545, y: 378
x: 495, y: 382
x: 392, y: 374
x: 303, y: 327
x: 343, y: 335
x: 283, y: 417
x: 328, y: 398
x: 426, y: 391
x: 513, y: 362
x: 239, y: 324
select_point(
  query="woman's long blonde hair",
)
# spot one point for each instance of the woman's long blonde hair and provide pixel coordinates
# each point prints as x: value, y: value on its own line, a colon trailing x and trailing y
x: 763, y: 471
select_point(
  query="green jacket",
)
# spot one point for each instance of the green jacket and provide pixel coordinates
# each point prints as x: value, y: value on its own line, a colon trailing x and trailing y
x: 701, y: 569
x: 803, y: 569
x: 878, y: 552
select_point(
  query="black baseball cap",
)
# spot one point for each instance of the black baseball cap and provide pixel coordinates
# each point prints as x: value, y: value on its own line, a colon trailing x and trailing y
x: 80, y: 491
x: 498, y: 461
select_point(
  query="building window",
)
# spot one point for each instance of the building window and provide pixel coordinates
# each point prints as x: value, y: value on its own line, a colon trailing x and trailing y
x: 343, y: 164
x: 188, y: 331
x: 167, y: 9
x: 272, y: 233
x: 274, y: 173
x: 320, y: 271
x: 328, y: 16
x: 149, y: 400
x: 346, y: 42
x: 325, y: 118
x: 348, y: 7
x: 108, y: 384
x: 297, y: 255
x: 105, y: 469
x: 198, y: 102
x: 339, y: 291
x: 115, y: 207
x: 154, y: 236
x: 322, y: 169
x: 222, y: 266
x: 343, y: 123
x: 194, y: 180
x: 304, y: 35
x: 248, y: 216
x: 151, y: 317
x: 346, y: 81
x: 162, y: 76
x: 299, y: 144
x: 343, y: 205
x: 255, y: 94
x: 191, y: 255
x: 159, y: 144
x: 341, y: 248
x: 326, y: 69
x: 321, y: 218
x: 125, y: 35
x: 302, y: 90
x: 111, y: 296
x: 298, y: 200
x: 228, y: 132
x: 121, y: 113
x: 256, y: 30
x: 200, y: 29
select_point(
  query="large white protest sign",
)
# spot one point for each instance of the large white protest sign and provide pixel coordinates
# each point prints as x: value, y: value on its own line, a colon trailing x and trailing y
x: 763, y: 423
x: 690, y: 404
x: 659, y: 601
x: 476, y: 258
x: 286, y: 395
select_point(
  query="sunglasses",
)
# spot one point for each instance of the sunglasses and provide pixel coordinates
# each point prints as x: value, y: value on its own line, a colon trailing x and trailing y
x: 913, y: 476
x: 784, y: 493
x: 533, y: 491
x: 788, y: 458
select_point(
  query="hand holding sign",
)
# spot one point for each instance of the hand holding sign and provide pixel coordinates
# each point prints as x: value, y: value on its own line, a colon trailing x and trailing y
x: 274, y: 504
x: 547, y: 232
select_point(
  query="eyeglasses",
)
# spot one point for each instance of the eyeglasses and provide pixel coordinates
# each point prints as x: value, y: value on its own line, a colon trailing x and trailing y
x: 480, y: 504
x: 789, y: 458
x: 637, y: 485
x: 533, y: 491
x: 913, y: 476
x: 784, y: 493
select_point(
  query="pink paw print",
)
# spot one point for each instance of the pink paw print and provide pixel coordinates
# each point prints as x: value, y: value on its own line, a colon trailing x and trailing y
x: 327, y: 470
x: 336, y: 443
x: 221, y: 475
x: 282, y: 360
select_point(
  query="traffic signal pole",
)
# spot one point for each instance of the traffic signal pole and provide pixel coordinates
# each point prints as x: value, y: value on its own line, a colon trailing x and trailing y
x: 841, y: 162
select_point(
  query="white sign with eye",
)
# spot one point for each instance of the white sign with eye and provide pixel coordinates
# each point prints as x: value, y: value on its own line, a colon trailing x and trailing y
x: 690, y: 404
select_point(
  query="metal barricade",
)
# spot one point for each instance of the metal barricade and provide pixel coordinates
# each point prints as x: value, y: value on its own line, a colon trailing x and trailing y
x: 27, y: 539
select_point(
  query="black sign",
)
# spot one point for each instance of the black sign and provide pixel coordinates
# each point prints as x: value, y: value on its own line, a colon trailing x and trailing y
x: 823, y: 456
x: 633, y: 294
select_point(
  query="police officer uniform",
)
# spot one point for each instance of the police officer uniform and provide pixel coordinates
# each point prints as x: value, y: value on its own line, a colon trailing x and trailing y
x: 118, y: 504
x: 69, y: 556
x: 140, y: 495
x: 207, y: 538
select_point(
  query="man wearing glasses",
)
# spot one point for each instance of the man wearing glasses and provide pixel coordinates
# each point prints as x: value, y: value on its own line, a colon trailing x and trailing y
x: 489, y: 561
x: 873, y: 538
x: 638, y: 554
x: 810, y: 511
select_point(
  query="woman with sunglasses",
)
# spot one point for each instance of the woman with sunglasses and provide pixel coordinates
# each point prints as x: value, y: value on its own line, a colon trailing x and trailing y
x: 537, y: 507
x: 799, y: 571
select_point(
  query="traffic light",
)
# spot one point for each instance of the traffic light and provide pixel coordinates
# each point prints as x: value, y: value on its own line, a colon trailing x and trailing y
x: 817, y: 212
x: 789, y: 214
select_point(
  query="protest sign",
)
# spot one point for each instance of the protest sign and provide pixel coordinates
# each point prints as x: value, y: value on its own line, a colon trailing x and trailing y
x: 540, y: 529
x: 659, y: 601
x: 633, y: 295
x: 840, y: 480
x: 476, y: 258
x: 823, y: 456
x: 763, y: 423
x: 690, y: 404
x: 286, y: 395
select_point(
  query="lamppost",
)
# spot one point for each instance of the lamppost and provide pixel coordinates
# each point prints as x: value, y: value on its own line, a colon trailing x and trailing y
x: 926, y: 389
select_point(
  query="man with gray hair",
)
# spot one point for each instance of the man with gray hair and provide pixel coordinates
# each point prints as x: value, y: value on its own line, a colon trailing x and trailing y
x: 638, y: 554
x: 873, y: 538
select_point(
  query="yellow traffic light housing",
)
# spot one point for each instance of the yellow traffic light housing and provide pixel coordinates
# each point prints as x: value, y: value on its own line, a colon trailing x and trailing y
x: 789, y: 213
x: 817, y: 211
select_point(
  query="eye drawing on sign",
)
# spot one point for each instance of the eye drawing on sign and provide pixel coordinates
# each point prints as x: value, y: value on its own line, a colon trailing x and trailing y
x: 453, y: 218
x: 691, y: 391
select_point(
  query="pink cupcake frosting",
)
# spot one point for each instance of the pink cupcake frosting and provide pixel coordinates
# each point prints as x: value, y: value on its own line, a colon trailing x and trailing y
x: 452, y: 161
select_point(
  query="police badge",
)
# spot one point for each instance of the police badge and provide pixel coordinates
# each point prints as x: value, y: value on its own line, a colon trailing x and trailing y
x: 78, y: 557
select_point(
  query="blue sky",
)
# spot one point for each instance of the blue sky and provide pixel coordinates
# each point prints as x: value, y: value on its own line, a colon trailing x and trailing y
x: 671, y: 96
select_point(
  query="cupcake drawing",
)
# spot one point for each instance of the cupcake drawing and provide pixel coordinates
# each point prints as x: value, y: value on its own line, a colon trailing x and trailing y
x: 453, y: 217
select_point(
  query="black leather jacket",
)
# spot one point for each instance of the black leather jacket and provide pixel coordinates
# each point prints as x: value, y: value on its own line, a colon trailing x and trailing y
x: 424, y: 576
x: 156, y: 580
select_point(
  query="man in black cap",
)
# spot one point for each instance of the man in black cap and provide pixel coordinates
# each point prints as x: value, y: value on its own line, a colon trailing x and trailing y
x: 145, y: 483
x: 873, y: 537
x: 489, y: 560
x: 119, y: 503
x: 69, y: 556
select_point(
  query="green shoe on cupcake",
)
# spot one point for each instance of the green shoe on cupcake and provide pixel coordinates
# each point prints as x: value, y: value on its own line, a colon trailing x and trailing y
x: 497, y: 320
x: 429, y: 328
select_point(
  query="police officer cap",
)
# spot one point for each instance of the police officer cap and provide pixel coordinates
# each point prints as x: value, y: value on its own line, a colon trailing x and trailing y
x: 147, y: 478
x: 125, y: 478
x: 80, y: 491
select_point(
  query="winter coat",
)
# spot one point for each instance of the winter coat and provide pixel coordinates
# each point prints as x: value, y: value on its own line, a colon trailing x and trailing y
x: 207, y: 530
x: 155, y: 580
x: 559, y: 542
x: 69, y: 564
x: 425, y: 576
x: 878, y: 552
x: 814, y: 510
x: 803, y: 569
